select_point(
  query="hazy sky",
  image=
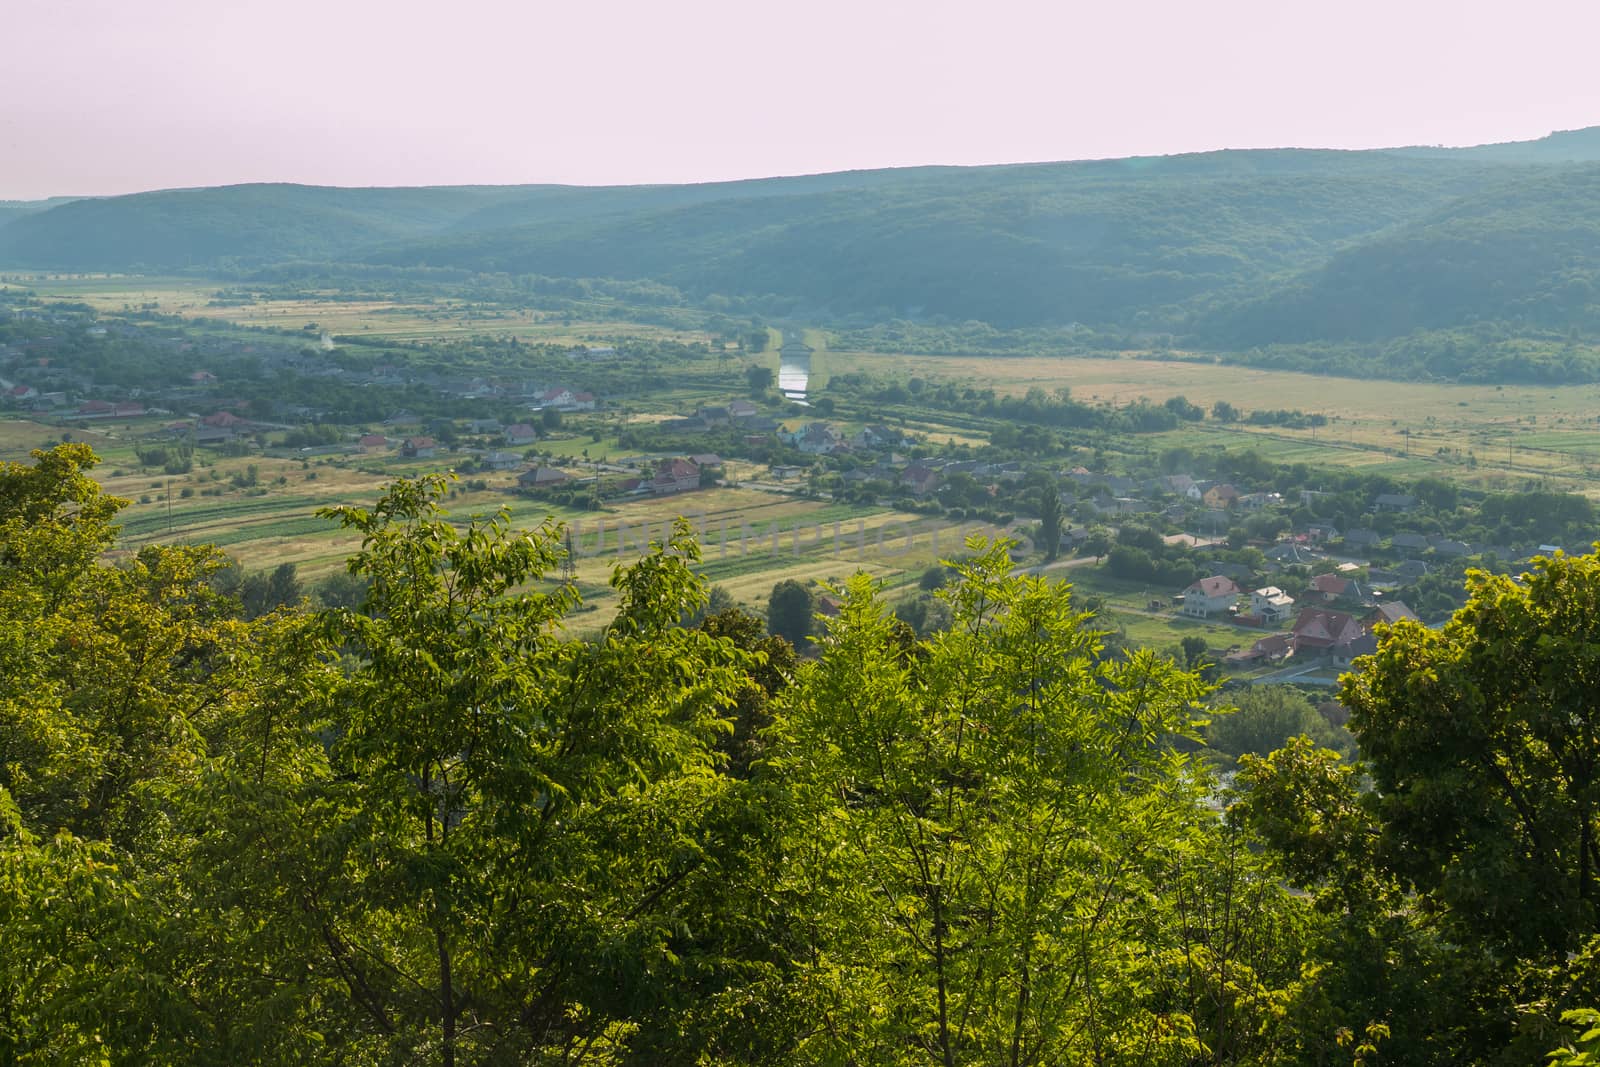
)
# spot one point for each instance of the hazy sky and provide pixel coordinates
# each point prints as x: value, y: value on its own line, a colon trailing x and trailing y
x: 102, y: 96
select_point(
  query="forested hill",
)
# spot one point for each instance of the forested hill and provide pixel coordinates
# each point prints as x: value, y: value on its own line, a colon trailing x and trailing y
x: 1526, y: 252
x: 1221, y: 249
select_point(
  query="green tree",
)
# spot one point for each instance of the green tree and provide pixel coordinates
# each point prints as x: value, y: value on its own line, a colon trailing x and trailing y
x: 1263, y: 718
x: 981, y: 815
x: 1483, y: 741
x: 759, y: 378
x: 1050, y: 521
x: 790, y: 611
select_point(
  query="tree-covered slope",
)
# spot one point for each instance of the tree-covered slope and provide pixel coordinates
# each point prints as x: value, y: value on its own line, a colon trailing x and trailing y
x: 1226, y: 248
x: 1048, y: 244
x: 183, y: 228
x: 1525, y: 253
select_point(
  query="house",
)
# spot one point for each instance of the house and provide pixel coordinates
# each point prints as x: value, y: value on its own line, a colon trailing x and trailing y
x: 520, y: 434
x: 1390, y: 614
x: 1221, y: 497
x: 483, y: 426
x: 563, y: 399
x: 1257, y: 501
x: 1319, y: 631
x: 1182, y: 485
x: 817, y: 439
x: 921, y: 480
x: 373, y: 442
x: 1409, y: 542
x: 1210, y: 596
x: 419, y: 448
x: 541, y: 478
x: 1410, y: 570
x: 1268, y: 649
x: 876, y: 437
x: 20, y: 393
x: 1446, y: 547
x: 1395, y: 502
x: 1322, y: 531
x: 501, y: 461
x: 97, y: 409
x: 1291, y: 553
x: 706, y: 459
x: 1330, y: 587
x: 742, y: 409
x: 675, y: 476
x: 1361, y: 537
x: 1271, y: 605
x: 787, y: 471
x: 714, y: 416
x: 1365, y: 645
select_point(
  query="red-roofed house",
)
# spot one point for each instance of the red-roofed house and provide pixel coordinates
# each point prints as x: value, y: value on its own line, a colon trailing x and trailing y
x: 419, y: 448
x: 675, y: 476
x: 1321, y: 632
x: 1210, y: 596
x: 373, y: 442
x: 97, y: 409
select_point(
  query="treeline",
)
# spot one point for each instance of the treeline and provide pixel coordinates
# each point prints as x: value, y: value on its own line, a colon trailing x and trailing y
x: 429, y: 826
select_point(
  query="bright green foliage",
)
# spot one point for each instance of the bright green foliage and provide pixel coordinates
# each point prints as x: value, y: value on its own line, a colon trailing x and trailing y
x: 996, y: 813
x: 428, y: 826
x: 516, y: 841
x: 1483, y: 740
x: 1585, y: 1051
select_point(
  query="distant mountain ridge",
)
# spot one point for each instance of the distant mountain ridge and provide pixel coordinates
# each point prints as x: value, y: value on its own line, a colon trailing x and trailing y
x: 1244, y: 247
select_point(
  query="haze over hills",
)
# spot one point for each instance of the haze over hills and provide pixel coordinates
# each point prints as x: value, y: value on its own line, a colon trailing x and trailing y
x: 1229, y: 249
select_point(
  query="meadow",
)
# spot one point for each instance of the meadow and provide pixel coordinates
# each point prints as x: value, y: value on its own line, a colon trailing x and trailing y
x: 1483, y: 436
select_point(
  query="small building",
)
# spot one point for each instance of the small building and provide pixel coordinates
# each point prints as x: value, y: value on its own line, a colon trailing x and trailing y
x: 419, y: 448
x: 1399, y: 502
x: 1361, y: 537
x: 1330, y: 587
x: 1409, y: 542
x: 1390, y: 613
x: 373, y: 442
x: 520, y: 434
x: 921, y: 480
x: 541, y: 478
x: 501, y: 461
x: 1271, y: 605
x: 1220, y: 497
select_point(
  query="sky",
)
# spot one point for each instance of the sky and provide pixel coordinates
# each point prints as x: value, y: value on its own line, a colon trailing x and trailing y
x: 111, y: 96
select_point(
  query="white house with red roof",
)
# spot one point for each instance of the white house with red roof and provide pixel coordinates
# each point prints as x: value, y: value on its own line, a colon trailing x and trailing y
x: 1210, y: 596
